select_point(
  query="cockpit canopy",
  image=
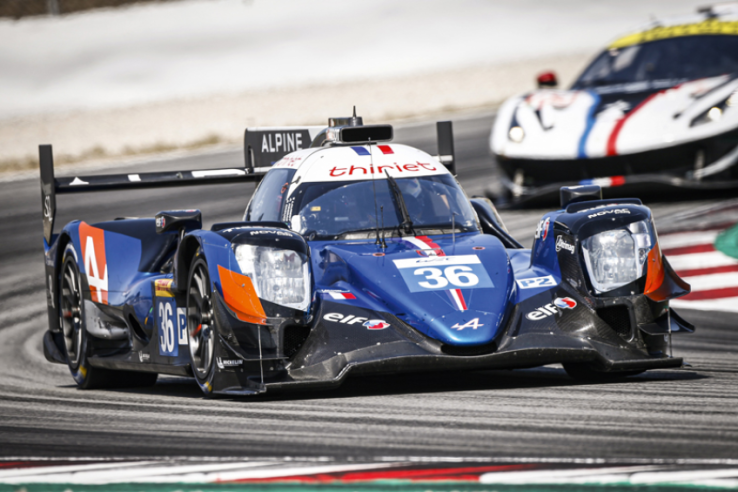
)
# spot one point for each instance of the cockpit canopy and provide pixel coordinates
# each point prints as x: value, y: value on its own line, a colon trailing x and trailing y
x: 353, y: 209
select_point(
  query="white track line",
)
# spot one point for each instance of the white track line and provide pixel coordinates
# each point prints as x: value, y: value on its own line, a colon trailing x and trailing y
x: 680, y: 240
x: 712, y: 281
x: 694, y: 261
x: 727, y: 304
x: 169, y: 474
x: 674, y: 476
x: 562, y: 476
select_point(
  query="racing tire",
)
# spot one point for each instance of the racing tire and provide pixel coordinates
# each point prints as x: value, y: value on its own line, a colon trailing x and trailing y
x: 581, y: 371
x: 76, y: 339
x: 201, y: 324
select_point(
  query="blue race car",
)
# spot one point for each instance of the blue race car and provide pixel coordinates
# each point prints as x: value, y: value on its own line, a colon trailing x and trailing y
x: 355, y: 256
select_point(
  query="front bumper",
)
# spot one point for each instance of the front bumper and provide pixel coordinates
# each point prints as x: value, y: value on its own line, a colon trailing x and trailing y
x: 701, y: 167
x: 328, y: 357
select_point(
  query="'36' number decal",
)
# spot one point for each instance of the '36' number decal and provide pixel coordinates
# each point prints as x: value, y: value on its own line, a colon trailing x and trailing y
x: 443, y: 273
x: 167, y: 342
x: 459, y: 276
x: 171, y: 325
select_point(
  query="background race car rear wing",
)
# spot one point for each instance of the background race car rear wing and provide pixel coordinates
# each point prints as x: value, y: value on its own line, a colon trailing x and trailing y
x: 262, y: 148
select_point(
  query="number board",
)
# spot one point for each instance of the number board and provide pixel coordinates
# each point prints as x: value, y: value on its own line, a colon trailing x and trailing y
x: 171, y: 323
x: 443, y: 273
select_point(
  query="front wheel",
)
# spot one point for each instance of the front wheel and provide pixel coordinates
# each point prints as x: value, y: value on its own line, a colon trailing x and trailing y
x: 201, y: 324
x: 76, y: 338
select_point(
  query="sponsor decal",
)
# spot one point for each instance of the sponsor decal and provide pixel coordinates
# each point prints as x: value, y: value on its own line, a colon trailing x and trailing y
x: 50, y: 293
x: 276, y: 233
x: 536, y: 282
x: 474, y: 324
x: 337, y: 172
x: 92, y: 241
x: 224, y: 363
x: 562, y: 243
x: 565, y: 303
x: 709, y: 26
x: 289, y: 162
x: 281, y: 142
x: 163, y: 287
x: 553, y: 308
x: 376, y: 324
x: 143, y: 357
x: 443, y: 273
x: 430, y: 252
x: 606, y: 212
x: 542, y: 229
x: 160, y: 222
x: 349, y: 319
x: 47, y: 206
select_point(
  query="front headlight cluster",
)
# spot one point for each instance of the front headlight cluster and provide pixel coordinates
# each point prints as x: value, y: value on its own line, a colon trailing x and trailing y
x: 618, y: 257
x: 715, y: 113
x: 280, y: 276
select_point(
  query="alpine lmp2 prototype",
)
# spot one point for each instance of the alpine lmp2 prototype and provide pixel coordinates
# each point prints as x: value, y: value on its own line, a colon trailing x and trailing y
x: 656, y: 110
x: 355, y: 256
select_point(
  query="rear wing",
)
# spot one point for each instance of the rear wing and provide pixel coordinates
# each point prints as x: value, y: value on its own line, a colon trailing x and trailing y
x: 262, y: 148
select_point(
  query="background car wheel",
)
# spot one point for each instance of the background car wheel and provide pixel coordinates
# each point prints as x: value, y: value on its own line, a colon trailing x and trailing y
x: 582, y: 371
x: 76, y: 339
x: 201, y: 324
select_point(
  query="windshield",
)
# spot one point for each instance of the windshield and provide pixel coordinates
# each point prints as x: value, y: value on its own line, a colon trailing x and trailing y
x: 345, y: 210
x: 663, y: 63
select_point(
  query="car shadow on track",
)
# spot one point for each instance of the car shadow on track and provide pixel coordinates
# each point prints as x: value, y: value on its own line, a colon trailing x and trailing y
x: 429, y: 382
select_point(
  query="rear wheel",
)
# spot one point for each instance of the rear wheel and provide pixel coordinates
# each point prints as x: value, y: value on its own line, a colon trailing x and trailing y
x: 201, y: 324
x: 581, y: 371
x: 76, y: 338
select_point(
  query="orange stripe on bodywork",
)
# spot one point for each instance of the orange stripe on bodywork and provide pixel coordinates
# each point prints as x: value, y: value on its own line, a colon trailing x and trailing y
x: 655, y: 273
x: 662, y: 282
x: 239, y: 294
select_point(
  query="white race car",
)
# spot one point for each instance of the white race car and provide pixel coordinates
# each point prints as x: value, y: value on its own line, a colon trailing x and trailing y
x: 658, y: 107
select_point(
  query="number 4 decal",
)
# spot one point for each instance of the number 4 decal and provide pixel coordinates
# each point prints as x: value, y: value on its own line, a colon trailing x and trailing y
x: 469, y: 324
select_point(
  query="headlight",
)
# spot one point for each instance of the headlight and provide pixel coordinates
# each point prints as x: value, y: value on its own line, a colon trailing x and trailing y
x: 715, y: 113
x: 617, y: 257
x: 280, y: 276
x: 516, y: 134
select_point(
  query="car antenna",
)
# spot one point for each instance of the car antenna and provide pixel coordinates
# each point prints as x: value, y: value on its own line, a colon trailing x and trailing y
x: 453, y: 229
x: 381, y: 211
x: 381, y: 243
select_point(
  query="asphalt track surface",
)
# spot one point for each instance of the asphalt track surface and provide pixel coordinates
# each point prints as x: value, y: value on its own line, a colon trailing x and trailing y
x: 665, y: 414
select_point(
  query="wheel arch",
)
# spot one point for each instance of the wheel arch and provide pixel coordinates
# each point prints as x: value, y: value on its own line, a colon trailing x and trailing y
x: 185, y: 253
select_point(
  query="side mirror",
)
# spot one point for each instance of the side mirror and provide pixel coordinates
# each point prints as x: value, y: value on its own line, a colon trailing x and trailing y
x: 547, y: 79
x: 181, y: 220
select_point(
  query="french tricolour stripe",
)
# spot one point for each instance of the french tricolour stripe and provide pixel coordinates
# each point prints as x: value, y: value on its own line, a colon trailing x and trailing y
x: 712, y: 274
x: 341, y: 295
x: 424, y: 243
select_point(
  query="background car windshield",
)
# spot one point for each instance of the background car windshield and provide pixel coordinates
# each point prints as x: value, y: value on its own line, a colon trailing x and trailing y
x: 334, y: 209
x: 672, y: 60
